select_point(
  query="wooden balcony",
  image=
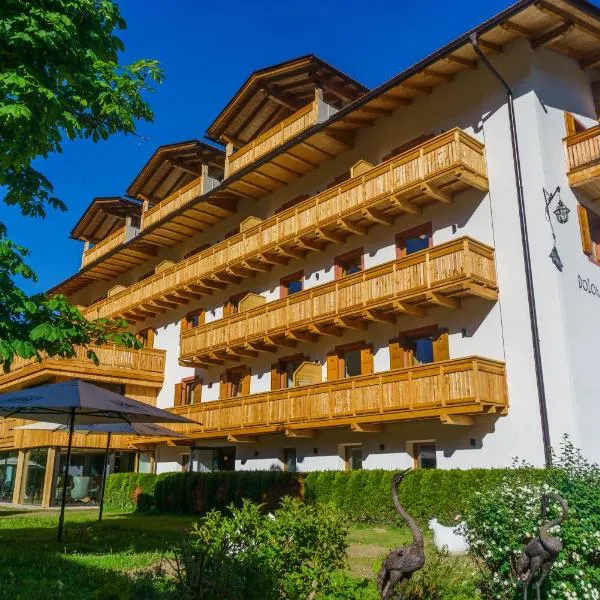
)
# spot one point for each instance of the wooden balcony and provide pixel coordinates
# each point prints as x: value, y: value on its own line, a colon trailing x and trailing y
x: 438, y: 276
x: 583, y: 161
x: 117, y: 365
x: 433, y: 172
x: 453, y: 391
x: 179, y: 200
x: 276, y: 136
x: 116, y: 238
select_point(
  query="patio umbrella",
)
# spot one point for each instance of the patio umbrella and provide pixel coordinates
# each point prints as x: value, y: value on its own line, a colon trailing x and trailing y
x: 139, y: 429
x: 88, y: 404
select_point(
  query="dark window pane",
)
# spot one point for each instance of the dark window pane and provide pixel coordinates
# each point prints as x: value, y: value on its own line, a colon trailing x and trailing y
x: 294, y: 286
x: 353, y: 267
x: 424, y: 350
x: 236, y: 384
x: 352, y: 363
x: 415, y: 244
x: 289, y: 459
x: 354, y: 458
x: 426, y: 458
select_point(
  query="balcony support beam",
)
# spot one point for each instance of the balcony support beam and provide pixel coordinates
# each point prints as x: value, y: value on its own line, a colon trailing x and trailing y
x: 300, y: 433
x: 211, y: 283
x: 255, y: 265
x: 241, y: 439
x: 352, y: 227
x: 273, y: 259
x: 351, y: 323
x: 379, y: 316
x: 444, y: 301
x: 302, y: 336
x: 367, y: 427
x: 309, y: 245
x: 407, y: 207
x: 409, y: 309
x: 330, y: 236
x: 457, y: 420
x: 376, y: 216
x: 434, y: 192
x: 325, y: 330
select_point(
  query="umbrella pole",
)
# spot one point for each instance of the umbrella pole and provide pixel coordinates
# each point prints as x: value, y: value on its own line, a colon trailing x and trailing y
x: 105, y: 468
x: 63, y: 502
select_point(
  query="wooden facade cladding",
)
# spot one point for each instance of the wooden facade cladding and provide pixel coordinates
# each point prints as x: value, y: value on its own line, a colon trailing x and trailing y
x: 467, y: 386
x: 582, y: 152
x: 436, y: 276
x: 431, y: 172
x: 143, y: 368
x: 271, y: 139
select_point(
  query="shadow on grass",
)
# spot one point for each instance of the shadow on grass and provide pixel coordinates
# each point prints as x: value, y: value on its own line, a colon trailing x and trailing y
x: 108, y: 560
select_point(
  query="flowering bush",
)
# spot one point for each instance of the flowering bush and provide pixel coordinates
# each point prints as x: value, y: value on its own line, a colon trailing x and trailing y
x: 501, y: 521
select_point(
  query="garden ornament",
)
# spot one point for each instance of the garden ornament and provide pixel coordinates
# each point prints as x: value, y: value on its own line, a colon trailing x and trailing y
x: 449, y: 538
x: 540, y: 553
x: 401, y: 563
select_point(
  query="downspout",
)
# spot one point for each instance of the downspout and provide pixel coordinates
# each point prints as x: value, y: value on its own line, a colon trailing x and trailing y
x: 535, y: 335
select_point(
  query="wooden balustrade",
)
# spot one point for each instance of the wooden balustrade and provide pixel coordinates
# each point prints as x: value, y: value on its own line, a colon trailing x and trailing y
x: 110, y: 242
x: 582, y: 152
x: 431, y: 172
x: 272, y: 138
x: 121, y: 365
x: 439, y: 275
x: 466, y: 387
x: 173, y: 202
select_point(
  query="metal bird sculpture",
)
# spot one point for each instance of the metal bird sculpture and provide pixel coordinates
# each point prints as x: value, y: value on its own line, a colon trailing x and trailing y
x: 401, y: 563
x: 539, y: 555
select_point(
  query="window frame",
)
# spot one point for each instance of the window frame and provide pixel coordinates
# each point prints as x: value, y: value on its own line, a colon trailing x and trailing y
x: 243, y: 371
x: 186, y: 321
x: 589, y: 230
x: 348, y: 449
x: 416, y: 446
x: 430, y: 330
x: 146, y: 337
x: 403, y: 236
x: 232, y: 304
x: 342, y: 259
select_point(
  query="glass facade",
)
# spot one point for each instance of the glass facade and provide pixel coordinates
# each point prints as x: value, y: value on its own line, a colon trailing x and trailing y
x: 35, y: 473
x: 84, y: 479
x: 8, y: 471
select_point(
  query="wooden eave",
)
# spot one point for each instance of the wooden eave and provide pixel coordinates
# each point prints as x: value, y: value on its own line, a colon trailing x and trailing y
x: 542, y: 22
x: 104, y: 216
x: 271, y: 94
x: 174, y: 166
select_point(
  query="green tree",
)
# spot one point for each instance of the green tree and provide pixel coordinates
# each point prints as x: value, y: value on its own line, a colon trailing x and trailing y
x: 60, y: 79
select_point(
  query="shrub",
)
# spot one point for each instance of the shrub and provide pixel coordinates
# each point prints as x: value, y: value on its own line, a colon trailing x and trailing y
x: 365, y: 496
x: 504, y: 519
x: 197, y: 492
x: 287, y: 555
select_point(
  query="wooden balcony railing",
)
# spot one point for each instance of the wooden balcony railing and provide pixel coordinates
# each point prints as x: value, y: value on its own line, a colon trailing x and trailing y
x: 173, y: 202
x: 583, y: 161
x: 439, y: 275
x: 144, y: 367
x: 272, y: 138
x: 465, y: 386
x: 116, y: 238
x: 432, y: 172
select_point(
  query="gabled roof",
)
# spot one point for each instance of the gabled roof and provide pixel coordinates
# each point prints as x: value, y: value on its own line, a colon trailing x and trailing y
x: 270, y: 95
x: 103, y: 216
x: 173, y: 166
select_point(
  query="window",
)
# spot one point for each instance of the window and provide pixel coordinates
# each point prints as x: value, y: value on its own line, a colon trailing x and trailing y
x: 419, y: 347
x: 193, y: 319
x: 224, y: 459
x: 350, y: 361
x: 349, y: 263
x: 185, y: 462
x: 290, y: 463
x: 188, y: 392
x: 282, y: 372
x: 234, y: 383
x: 145, y: 462
x: 231, y: 306
x: 589, y: 225
x: 292, y: 284
x: 146, y: 337
x: 425, y: 456
x: 414, y: 240
x: 353, y: 458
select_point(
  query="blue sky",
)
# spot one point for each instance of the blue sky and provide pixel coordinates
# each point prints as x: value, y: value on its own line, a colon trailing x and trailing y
x: 207, y: 50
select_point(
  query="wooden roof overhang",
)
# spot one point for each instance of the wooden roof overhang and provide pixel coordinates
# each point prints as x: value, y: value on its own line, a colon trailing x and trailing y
x: 271, y: 94
x: 103, y: 217
x: 570, y: 27
x: 174, y: 166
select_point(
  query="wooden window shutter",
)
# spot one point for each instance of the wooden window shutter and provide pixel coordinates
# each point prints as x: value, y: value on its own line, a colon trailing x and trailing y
x: 223, y: 386
x: 584, y: 227
x: 150, y: 338
x: 396, y: 354
x: 441, y: 348
x: 227, y: 309
x: 332, y: 366
x: 246, y: 382
x: 197, y: 390
x: 366, y: 360
x: 275, y: 377
x: 177, y: 396
x: 184, y: 324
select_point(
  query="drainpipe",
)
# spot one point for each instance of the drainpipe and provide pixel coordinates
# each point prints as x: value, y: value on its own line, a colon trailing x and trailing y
x: 535, y: 334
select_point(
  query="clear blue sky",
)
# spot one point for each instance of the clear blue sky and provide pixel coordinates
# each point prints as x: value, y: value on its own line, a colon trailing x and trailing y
x: 207, y: 50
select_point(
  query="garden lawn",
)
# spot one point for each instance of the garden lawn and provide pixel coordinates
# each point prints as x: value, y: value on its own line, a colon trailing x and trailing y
x: 113, y: 560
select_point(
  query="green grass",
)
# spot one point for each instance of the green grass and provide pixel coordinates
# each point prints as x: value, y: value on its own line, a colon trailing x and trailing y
x: 108, y: 560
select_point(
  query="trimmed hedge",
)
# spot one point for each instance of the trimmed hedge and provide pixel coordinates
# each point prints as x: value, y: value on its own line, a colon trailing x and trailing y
x: 197, y: 492
x: 425, y: 493
x: 362, y: 495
